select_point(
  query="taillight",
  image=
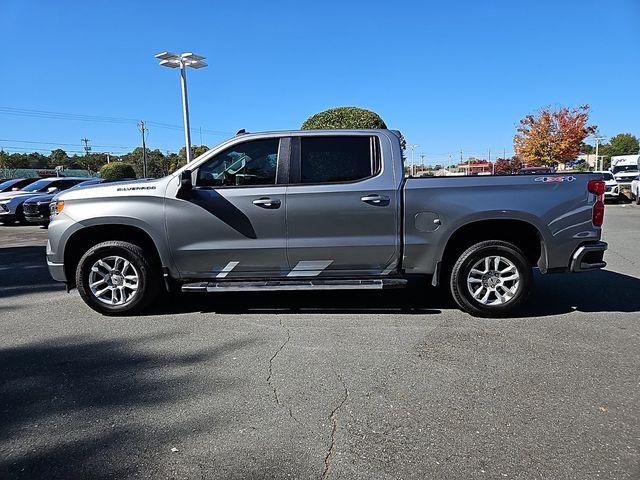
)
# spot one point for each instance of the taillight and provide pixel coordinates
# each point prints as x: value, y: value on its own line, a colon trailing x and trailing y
x: 598, y: 188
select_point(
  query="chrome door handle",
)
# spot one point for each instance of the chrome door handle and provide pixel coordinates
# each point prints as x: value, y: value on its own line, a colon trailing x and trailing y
x: 266, y: 202
x: 375, y: 199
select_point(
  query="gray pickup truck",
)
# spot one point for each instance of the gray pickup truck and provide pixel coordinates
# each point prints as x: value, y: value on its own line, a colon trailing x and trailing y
x: 319, y: 210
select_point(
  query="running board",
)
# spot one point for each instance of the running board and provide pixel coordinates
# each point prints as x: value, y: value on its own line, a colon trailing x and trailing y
x: 275, y: 285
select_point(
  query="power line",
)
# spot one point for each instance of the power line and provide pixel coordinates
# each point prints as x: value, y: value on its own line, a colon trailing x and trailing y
x: 61, y: 144
x: 23, y: 112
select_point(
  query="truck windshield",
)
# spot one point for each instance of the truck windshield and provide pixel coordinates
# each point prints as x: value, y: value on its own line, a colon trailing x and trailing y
x: 625, y: 168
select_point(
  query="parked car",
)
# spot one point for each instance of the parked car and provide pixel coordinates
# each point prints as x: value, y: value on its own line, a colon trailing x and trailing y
x: 635, y: 190
x: 535, y: 170
x: 11, y: 203
x: 611, y: 192
x: 14, y: 184
x: 321, y: 210
x: 36, y: 209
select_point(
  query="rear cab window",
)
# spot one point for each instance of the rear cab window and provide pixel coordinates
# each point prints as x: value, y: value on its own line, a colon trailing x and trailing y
x: 337, y: 159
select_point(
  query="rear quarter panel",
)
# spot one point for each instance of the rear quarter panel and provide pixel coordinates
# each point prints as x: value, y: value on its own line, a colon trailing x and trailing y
x: 561, y: 211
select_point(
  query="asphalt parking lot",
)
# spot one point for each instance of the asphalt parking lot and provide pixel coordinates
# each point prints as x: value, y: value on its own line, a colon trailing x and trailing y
x: 322, y: 385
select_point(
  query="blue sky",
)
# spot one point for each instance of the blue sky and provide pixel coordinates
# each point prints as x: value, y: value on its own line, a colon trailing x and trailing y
x: 450, y: 75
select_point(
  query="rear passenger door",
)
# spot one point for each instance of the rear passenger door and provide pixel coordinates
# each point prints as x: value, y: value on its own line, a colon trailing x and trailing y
x: 342, y: 208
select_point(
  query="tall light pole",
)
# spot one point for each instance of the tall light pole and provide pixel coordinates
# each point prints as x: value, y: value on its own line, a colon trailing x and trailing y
x: 182, y: 61
x: 598, y: 138
x: 412, y: 147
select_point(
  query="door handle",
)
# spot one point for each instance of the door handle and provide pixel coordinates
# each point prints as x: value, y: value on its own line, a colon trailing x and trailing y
x: 266, y: 202
x: 375, y: 199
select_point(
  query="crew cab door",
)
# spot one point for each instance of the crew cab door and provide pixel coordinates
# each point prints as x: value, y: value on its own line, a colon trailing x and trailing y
x: 233, y: 222
x: 342, y: 207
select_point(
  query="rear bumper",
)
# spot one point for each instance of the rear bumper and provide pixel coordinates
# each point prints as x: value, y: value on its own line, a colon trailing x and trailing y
x: 589, y: 257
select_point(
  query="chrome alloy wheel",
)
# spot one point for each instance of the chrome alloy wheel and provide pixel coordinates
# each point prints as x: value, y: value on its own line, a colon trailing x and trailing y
x: 114, y: 280
x: 493, y: 280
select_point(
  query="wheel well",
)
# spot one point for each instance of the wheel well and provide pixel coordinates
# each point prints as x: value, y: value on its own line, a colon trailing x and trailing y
x: 84, y: 239
x: 517, y: 232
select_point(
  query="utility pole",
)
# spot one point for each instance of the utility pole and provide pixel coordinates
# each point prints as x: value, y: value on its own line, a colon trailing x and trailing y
x: 87, y: 148
x: 143, y: 131
x: 422, y: 162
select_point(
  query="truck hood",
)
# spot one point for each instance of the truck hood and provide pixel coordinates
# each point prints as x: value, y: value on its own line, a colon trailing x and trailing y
x: 144, y: 186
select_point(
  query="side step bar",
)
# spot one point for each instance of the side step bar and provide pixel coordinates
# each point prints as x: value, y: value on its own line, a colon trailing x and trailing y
x: 275, y: 285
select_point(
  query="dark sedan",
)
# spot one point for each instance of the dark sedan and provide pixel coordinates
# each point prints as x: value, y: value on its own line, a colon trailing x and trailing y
x: 36, y: 209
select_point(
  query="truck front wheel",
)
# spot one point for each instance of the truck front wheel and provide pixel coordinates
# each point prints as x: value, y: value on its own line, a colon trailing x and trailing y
x: 116, y: 277
x: 491, y: 279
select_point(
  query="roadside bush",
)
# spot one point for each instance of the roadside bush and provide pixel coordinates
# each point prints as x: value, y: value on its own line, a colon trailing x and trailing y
x: 344, y: 117
x: 117, y: 171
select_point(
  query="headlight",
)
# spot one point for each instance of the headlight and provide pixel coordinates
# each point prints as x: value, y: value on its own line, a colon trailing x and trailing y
x: 56, y: 207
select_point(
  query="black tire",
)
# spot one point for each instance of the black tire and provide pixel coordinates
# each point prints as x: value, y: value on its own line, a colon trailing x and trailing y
x: 517, y: 293
x: 20, y: 216
x: 638, y: 199
x: 148, y: 278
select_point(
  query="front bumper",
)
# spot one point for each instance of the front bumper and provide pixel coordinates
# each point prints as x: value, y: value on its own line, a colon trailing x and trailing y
x: 589, y: 257
x: 7, y: 217
x: 39, y: 219
x: 56, y: 270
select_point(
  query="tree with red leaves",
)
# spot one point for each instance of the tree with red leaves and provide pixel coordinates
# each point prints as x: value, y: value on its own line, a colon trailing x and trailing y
x: 508, y: 166
x: 552, y: 136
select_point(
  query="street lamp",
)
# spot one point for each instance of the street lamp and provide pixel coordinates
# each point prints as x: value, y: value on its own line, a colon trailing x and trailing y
x: 173, y: 60
x: 598, y: 138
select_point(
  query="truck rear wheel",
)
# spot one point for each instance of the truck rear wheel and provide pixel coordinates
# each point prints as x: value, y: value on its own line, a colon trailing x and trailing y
x: 491, y: 279
x: 116, y: 277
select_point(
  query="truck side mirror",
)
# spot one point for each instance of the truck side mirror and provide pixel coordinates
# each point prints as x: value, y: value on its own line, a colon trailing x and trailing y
x: 186, y: 185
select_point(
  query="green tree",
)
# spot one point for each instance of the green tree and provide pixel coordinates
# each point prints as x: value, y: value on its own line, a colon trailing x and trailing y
x: 196, y: 151
x: 12, y: 160
x: 117, y: 171
x: 58, y: 157
x: 175, y: 162
x: 620, y: 144
x: 158, y: 165
x: 586, y: 148
x: 344, y: 117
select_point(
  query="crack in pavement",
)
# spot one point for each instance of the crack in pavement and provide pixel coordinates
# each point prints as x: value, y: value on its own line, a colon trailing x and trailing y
x: 271, y: 384
x: 334, y: 428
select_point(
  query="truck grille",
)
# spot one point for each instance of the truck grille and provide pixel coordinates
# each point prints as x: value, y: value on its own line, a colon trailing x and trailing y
x: 30, y: 208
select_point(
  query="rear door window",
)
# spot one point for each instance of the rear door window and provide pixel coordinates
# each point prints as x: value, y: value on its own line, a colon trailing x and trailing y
x: 337, y: 159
